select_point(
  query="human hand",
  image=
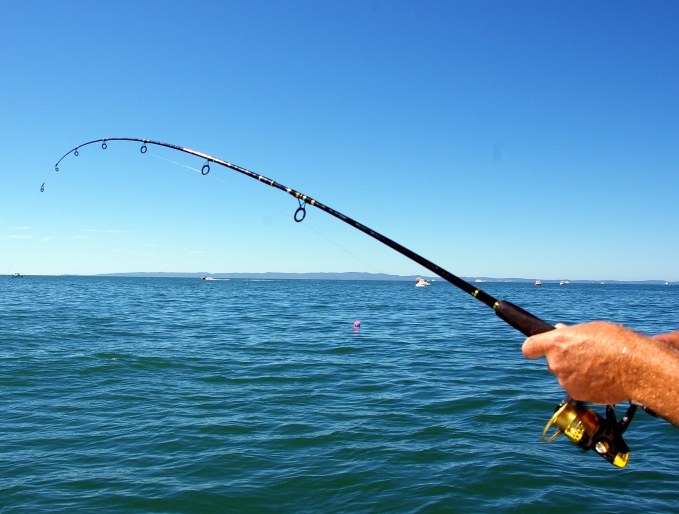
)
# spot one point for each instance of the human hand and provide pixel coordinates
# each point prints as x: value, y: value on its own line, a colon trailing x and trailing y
x: 590, y: 360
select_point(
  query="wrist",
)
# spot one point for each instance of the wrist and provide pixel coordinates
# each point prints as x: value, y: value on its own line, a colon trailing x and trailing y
x: 631, y: 368
x: 652, y: 370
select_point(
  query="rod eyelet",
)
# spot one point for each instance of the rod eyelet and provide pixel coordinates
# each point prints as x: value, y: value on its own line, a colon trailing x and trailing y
x: 300, y: 214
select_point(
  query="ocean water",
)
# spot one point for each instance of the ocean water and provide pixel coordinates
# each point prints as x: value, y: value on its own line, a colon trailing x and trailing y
x: 183, y: 395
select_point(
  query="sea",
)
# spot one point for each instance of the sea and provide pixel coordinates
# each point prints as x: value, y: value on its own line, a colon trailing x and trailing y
x: 182, y: 395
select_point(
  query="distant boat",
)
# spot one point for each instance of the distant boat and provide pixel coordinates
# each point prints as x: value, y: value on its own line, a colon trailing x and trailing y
x: 420, y: 282
x: 208, y: 277
x: 17, y: 275
x: 563, y: 282
x: 537, y: 283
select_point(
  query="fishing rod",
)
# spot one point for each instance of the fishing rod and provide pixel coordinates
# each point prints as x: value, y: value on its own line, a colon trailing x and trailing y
x: 581, y: 425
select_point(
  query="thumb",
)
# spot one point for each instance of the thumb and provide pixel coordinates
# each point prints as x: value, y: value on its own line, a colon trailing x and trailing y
x: 533, y: 348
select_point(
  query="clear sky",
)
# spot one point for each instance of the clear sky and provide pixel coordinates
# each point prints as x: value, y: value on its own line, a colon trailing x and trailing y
x: 510, y: 139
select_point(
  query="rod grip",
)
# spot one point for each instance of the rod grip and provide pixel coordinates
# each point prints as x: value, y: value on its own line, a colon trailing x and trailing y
x: 523, y: 321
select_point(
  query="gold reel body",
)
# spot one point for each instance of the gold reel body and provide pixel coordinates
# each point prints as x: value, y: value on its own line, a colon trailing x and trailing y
x: 591, y: 431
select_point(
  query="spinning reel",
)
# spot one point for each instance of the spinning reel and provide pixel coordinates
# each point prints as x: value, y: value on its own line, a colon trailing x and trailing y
x: 590, y: 431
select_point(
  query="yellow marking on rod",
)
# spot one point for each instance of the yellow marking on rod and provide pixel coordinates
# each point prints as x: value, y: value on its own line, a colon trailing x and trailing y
x: 495, y: 305
x: 313, y: 202
x: 475, y: 293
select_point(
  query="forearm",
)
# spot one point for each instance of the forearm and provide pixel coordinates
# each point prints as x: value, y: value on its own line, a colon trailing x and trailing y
x: 654, y: 379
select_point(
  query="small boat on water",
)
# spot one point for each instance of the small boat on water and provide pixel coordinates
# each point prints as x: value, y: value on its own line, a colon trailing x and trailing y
x: 420, y: 282
x: 208, y: 277
x: 537, y: 283
x: 17, y: 275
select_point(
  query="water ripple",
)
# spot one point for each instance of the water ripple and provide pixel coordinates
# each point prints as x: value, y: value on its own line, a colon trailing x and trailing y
x: 171, y: 395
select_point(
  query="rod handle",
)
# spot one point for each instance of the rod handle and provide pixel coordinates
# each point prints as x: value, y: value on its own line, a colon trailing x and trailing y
x: 523, y: 321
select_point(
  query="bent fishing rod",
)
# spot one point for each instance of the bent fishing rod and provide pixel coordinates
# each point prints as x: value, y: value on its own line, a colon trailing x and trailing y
x: 581, y: 425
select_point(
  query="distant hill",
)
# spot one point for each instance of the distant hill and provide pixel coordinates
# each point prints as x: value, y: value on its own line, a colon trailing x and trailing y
x: 276, y: 276
x: 355, y: 275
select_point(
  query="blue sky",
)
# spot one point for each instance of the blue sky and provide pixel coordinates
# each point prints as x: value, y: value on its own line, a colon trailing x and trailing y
x: 507, y: 139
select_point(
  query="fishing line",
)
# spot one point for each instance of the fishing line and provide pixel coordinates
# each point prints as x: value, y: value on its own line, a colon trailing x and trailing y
x: 581, y: 425
x: 21, y: 239
x: 156, y: 156
x: 307, y: 226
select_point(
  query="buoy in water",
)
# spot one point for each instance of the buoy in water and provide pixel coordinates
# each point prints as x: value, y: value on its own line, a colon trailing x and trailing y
x: 357, y: 325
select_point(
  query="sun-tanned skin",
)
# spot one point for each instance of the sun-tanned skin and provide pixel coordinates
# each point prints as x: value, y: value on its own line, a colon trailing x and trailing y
x: 601, y: 362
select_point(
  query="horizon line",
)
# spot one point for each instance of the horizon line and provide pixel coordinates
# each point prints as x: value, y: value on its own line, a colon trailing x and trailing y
x: 357, y: 275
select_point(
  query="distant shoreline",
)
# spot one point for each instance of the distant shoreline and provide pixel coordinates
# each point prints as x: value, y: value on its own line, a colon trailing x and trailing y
x: 352, y: 276
x: 365, y: 276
